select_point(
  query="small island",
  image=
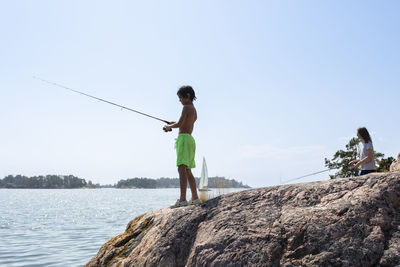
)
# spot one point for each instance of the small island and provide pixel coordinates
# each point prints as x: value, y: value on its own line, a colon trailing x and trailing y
x: 213, y: 182
x: 45, y: 182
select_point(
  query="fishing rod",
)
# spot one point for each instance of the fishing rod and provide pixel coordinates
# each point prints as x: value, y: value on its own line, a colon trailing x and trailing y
x: 311, y: 174
x: 103, y: 100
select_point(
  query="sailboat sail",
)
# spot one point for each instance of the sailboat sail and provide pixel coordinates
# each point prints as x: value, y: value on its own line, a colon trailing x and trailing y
x: 203, y: 185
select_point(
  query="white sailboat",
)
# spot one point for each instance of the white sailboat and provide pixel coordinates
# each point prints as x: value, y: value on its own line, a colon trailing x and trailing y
x: 203, y: 184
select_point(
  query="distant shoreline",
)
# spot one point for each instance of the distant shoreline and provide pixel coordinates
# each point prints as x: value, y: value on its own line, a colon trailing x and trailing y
x: 73, y: 182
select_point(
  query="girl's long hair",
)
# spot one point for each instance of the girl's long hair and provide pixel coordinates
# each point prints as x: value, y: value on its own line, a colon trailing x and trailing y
x: 364, y: 134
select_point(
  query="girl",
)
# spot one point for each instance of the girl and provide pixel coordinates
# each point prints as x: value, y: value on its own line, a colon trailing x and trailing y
x: 366, y: 161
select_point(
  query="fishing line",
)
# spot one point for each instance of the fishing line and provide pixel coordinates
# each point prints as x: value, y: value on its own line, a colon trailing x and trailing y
x: 304, y: 176
x: 100, y: 99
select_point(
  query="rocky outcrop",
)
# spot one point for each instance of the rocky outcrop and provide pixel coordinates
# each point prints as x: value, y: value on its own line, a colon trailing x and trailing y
x: 341, y: 222
x: 395, y: 166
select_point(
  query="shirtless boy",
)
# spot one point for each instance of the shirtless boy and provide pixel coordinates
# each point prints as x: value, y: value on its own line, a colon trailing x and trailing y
x: 185, y: 146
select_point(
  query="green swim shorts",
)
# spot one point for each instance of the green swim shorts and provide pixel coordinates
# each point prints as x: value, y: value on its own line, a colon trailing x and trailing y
x: 185, y: 150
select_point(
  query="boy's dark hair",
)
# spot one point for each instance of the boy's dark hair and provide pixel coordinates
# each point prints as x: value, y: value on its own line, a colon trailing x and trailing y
x: 185, y: 90
x: 364, y: 134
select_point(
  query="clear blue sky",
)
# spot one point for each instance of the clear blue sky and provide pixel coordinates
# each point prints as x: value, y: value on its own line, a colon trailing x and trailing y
x: 281, y: 85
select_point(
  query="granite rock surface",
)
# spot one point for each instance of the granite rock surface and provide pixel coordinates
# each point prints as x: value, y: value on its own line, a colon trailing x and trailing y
x: 341, y: 222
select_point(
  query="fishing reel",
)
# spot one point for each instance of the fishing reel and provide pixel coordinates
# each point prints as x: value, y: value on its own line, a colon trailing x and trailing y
x: 165, y: 129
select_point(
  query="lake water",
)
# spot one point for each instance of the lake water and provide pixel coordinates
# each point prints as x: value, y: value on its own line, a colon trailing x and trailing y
x: 67, y: 227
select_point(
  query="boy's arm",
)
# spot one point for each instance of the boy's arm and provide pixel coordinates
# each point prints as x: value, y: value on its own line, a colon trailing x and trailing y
x: 180, y: 122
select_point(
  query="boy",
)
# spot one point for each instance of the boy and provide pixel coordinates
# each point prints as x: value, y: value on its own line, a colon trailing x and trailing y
x: 185, y: 146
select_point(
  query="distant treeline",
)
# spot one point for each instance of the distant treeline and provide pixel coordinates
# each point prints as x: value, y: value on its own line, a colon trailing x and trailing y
x: 48, y: 181
x: 213, y: 182
x: 70, y: 181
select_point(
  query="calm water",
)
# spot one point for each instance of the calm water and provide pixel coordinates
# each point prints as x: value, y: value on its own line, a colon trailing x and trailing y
x: 56, y: 227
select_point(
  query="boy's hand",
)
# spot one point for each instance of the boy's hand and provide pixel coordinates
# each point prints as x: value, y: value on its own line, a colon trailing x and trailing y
x: 167, y: 128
